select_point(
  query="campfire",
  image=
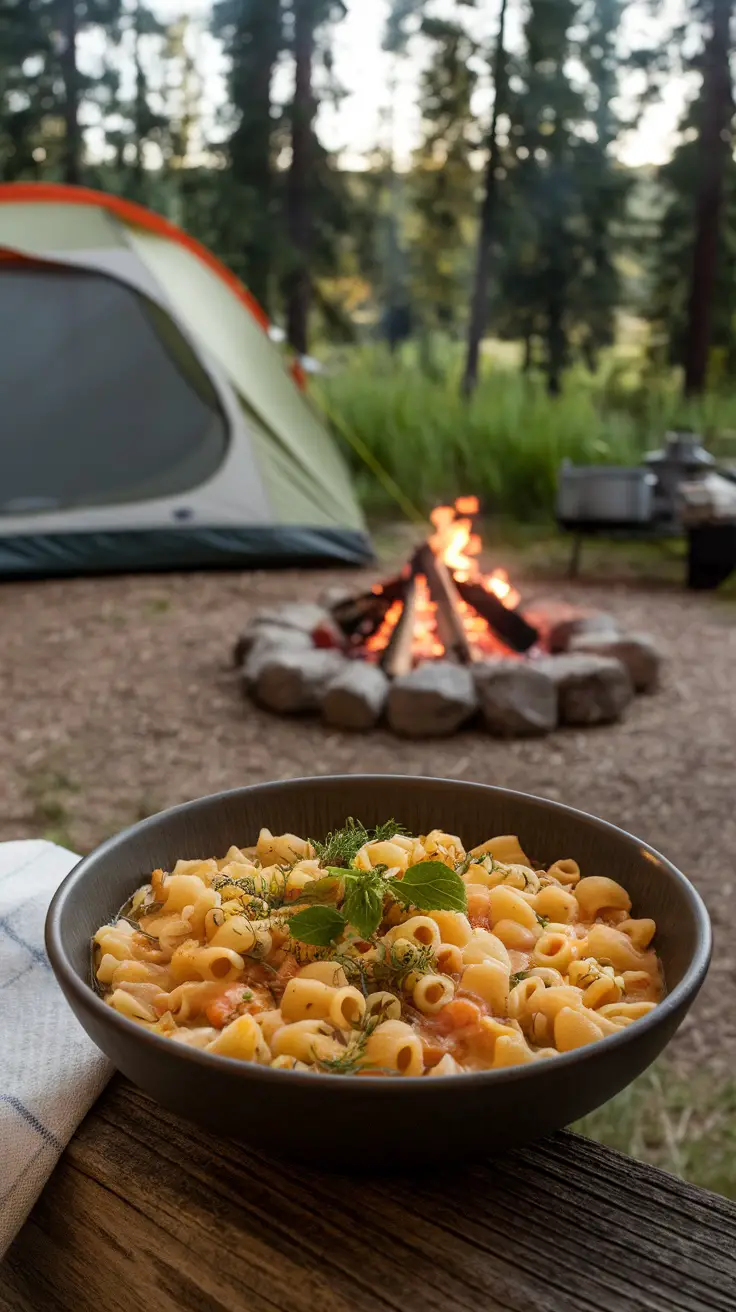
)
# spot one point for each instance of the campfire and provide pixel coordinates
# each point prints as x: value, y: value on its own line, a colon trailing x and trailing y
x: 442, y: 645
x: 440, y: 606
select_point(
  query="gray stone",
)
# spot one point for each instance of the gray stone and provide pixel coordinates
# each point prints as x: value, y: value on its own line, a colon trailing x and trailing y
x: 268, y: 635
x: 590, y: 689
x: 276, y: 622
x: 293, y: 681
x: 336, y: 595
x: 562, y: 633
x: 515, y: 698
x: 432, y: 701
x: 303, y: 615
x: 639, y: 652
x: 355, y: 698
x: 269, y: 641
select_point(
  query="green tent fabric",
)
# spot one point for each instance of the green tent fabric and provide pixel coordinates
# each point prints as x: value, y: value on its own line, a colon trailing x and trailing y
x: 148, y: 420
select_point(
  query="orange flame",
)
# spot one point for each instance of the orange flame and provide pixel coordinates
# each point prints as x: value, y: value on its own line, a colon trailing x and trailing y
x: 458, y: 546
x: 380, y: 638
x: 454, y: 542
x: 467, y: 505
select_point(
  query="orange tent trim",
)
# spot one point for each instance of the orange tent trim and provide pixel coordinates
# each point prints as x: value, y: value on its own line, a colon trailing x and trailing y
x: 127, y: 210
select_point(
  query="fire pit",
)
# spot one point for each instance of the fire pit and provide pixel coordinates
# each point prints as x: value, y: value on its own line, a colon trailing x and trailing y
x: 442, y: 644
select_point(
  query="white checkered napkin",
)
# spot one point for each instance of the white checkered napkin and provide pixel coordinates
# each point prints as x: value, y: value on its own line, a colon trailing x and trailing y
x: 50, y: 1072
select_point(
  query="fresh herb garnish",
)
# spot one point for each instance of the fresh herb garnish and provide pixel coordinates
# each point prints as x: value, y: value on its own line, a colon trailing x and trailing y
x: 394, y: 964
x: 341, y: 847
x: 129, y: 920
x: 271, y: 898
x: 319, y: 926
x: 517, y: 978
x: 363, y: 903
x: 129, y: 911
x: 352, y: 1058
x: 543, y: 920
x: 430, y: 886
x: 318, y: 891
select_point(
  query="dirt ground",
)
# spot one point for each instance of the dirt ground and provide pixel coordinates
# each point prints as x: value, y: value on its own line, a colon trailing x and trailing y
x: 118, y: 697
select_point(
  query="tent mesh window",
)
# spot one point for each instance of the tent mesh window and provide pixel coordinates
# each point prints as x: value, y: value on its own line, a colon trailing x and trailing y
x: 102, y: 399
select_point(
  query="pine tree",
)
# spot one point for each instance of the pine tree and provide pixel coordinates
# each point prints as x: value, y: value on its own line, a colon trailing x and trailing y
x: 252, y: 33
x: 443, y: 179
x: 488, y: 219
x: 43, y: 89
x: 672, y: 248
x: 25, y: 97
x: 67, y: 20
x: 604, y: 186
x: 546, y: 111
x: 715, y: 159
x: 404, y: 17
x: 310, y: 37
x: 131, y: 123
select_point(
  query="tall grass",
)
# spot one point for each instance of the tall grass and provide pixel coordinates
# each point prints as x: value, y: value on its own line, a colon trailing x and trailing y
x: 686, y: 1126
x: 508, y: 442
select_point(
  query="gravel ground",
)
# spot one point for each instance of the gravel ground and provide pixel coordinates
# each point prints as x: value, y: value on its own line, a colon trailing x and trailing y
x: 118, y: 698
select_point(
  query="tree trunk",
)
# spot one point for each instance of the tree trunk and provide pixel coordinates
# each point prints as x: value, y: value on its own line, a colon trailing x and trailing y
x: 528, y: 360
x: 715, y: 147
x: 251, y: 143
x: 141, y: 107
x: 590, y: 353
x: 479, y: 302
x: 72, y: 159
x: 556, y: 345
x: 298, y: 198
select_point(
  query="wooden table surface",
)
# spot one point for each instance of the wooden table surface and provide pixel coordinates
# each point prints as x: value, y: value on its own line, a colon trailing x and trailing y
x: 145, y: 1212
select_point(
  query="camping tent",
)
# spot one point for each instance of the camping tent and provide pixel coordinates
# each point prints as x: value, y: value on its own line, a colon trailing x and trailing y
x: 146, y: 419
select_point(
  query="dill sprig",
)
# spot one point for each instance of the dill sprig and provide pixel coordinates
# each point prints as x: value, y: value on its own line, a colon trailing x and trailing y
x: 353, y: 1057
x: 341, y: 847
x: 265, y: 900
x: 133, y: 913
x: 393, y: 965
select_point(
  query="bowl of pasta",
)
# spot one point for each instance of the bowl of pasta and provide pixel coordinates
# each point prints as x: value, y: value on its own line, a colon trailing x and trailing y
x: 378, y: 970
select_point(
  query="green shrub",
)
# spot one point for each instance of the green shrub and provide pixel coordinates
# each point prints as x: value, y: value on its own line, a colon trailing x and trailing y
x: 508, y: 442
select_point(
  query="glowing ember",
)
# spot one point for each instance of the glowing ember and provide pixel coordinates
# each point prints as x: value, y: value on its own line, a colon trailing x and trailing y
x: 379, y: 639
x: 427, y: 644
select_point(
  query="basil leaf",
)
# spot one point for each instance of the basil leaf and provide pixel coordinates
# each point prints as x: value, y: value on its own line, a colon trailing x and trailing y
x: 322, y: 890
x: 319, y: 926
x: 363, y: 905
x: 430, y: 886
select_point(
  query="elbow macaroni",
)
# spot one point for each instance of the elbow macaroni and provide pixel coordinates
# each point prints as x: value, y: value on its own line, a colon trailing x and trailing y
x: 541, y: 961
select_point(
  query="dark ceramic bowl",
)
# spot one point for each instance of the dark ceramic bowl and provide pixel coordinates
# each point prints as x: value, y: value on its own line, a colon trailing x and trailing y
x: 333, y: 1120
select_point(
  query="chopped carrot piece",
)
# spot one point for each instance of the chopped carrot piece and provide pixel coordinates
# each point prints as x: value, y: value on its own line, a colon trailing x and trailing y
x: 223, y: 1007
x: 457, y: 1015
x: 432, y: 1053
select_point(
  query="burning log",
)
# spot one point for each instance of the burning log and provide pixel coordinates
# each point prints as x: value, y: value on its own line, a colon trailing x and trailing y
x: 509, y: 625
x: 397, y: 657
x: 361, y: 616
x: 440, y: 604
x: 442, y: 591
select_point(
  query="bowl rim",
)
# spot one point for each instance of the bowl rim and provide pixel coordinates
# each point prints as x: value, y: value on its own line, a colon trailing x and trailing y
x: 234, y: 1067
